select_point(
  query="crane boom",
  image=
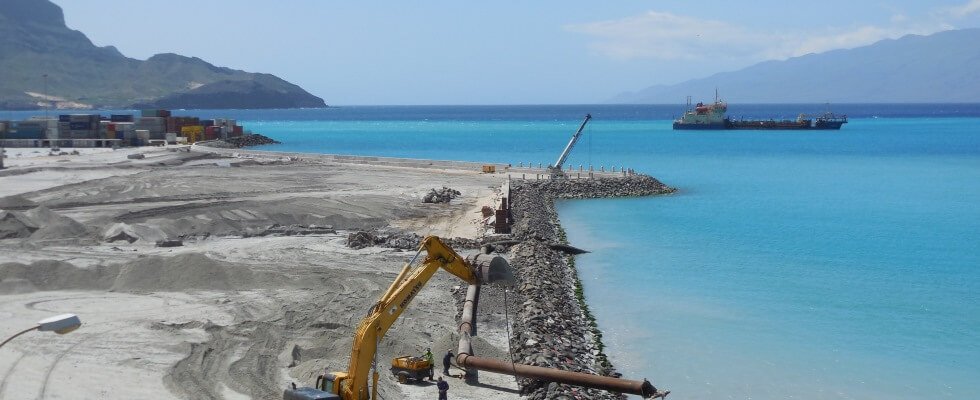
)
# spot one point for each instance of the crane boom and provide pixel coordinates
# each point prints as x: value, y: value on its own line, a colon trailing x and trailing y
x: 571, y: 143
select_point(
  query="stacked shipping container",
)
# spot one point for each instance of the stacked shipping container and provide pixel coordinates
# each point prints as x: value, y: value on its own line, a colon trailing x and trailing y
x: 153, y: 124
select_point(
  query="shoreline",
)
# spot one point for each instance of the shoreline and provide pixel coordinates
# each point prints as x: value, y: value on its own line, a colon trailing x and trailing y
x: 232, y: 225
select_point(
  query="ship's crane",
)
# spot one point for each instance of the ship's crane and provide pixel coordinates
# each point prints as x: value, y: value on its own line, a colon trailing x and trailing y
x: 556, y: 170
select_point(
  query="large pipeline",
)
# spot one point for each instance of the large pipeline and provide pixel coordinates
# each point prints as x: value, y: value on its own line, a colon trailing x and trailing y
x: 466, y: 360
x: 640, y: 388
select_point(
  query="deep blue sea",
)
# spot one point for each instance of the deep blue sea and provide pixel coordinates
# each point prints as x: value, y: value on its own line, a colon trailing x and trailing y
x: 789, y: 265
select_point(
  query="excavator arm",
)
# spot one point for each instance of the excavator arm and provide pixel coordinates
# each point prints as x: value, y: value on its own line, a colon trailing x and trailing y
x: 353, y: 384
x: 391, y: 305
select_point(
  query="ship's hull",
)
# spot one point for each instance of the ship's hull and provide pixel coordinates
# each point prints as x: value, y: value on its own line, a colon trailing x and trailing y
x: 700, y: 127
x: 762, y: 125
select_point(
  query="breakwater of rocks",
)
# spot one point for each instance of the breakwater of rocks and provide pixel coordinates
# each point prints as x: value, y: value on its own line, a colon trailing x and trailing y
x: 553, y: 326
x: 247, y: 140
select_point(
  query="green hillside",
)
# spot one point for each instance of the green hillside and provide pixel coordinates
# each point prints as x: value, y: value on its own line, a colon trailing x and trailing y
x: 35, y: 41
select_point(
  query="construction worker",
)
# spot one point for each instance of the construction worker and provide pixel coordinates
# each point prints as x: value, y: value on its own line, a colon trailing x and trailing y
x: 443, y: 387
x: 445, y: 362
x: 432, y: 361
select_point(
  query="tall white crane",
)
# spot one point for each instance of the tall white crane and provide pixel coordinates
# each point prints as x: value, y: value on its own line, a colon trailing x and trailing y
x: 557, y: 168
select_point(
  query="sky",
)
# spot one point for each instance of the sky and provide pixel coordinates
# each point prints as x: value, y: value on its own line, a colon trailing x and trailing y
x: 499, y: 52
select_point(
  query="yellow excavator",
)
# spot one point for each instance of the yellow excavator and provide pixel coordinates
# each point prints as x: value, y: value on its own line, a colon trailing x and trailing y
x: 353, y: 383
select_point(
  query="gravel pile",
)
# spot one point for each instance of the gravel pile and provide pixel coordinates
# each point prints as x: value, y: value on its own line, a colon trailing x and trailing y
x: 553, y: 327
x: 289, y: 230
x: 404, y: 241
x: 443, y: 195
x: 252, y: 139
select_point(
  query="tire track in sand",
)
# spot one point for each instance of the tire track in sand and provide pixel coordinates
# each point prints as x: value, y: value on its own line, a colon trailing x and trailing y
x: 3, y: 383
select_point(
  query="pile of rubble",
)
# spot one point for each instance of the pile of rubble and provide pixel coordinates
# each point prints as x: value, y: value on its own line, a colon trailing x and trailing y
x: 627, y: 186
x: 404, y: 241
x: 551, y: 329
x: 553, y: 326
x: 443, y: 195
x: 288, y: 230
x: 251, y: 139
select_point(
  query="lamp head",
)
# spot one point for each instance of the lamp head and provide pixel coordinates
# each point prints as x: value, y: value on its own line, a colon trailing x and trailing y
x: 60, y: 324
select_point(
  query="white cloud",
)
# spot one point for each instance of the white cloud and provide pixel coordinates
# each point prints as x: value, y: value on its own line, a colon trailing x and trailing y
x: 662, y: 35
x: 965, y: 10
x: 666, y: 36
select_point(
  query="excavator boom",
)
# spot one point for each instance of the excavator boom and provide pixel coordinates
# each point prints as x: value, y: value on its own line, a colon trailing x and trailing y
x: 353, y: 384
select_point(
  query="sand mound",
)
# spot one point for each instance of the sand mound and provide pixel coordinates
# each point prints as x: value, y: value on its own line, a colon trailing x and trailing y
x: 191, y: 271
x: 182, y: 272
x: 131, y: 233
x: 59, y: 275
x: 16, y: 202
x: 16, y: 286
x: 15, y: 225
x: 54, y: 226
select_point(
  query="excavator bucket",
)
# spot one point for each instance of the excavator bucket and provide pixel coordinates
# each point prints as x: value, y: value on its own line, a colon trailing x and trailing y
x: 492, y: 270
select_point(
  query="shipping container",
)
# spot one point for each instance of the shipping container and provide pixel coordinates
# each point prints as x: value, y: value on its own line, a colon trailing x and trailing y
x: 155, y: 113
x: 82, y: 135
x: 84, y: 118
x: 121, y: 118
x: 24, y: 134
x: 142, y: 137
x: 80, y: 126
x: 239, y: 130
x: 170, y: 137
x: 64, y: 118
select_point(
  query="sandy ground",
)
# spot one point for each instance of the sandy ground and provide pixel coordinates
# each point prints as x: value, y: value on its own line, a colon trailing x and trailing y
x: 224, y: 315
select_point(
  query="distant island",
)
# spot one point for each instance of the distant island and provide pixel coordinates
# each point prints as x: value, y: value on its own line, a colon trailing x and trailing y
x: 34, y: 42
x: 939, y: 68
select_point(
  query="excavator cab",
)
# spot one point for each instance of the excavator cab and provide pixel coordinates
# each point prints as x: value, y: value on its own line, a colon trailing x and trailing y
x: 324, y: 390
x: 325, y: 382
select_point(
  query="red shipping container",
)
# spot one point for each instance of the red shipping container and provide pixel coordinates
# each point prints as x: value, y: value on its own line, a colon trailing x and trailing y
x: 239, y: 130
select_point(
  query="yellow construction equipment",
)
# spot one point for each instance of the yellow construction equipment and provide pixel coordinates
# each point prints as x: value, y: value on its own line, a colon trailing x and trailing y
x: 407, y: 368
x: 353, y: 383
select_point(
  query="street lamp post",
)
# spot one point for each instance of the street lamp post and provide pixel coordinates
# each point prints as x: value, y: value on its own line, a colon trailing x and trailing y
x: 60, y: 324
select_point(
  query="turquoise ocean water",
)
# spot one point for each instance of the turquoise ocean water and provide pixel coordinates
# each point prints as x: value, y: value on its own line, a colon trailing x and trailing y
x: 810, y: 265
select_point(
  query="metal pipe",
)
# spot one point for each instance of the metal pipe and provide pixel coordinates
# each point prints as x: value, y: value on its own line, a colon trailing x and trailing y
x: 640, y: 388
x: 466, y: 324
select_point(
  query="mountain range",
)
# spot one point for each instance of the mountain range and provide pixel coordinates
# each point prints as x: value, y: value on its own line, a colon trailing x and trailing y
x: 43, y: 61
x: 940, y: 68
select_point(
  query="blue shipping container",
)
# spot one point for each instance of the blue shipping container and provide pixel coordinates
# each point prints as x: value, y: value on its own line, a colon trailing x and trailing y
x: 80, y: 126
x: 22, y: 134
x: 64, y: 118
x: 121, y: 118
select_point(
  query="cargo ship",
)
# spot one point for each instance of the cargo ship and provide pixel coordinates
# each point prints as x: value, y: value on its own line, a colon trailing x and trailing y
x: 712, y: 116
